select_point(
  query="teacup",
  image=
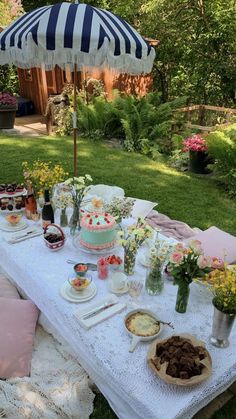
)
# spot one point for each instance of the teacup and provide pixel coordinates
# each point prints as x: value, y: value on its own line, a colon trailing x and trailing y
x: 118, y: 281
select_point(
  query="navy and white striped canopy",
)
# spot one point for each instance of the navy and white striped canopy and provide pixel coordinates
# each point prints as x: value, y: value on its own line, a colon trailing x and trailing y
x: 67, y: 34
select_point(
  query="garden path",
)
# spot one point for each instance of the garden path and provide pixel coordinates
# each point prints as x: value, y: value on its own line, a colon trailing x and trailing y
x: 30, y: 125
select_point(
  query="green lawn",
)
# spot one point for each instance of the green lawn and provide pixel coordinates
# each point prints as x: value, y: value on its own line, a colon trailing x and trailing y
x: 191, y: 198
x: 183, y: 196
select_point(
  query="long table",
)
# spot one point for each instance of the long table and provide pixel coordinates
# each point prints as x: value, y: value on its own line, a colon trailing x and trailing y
x: 124, y: 378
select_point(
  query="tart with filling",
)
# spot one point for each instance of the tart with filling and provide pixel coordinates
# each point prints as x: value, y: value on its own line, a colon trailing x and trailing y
x: 142, y: 324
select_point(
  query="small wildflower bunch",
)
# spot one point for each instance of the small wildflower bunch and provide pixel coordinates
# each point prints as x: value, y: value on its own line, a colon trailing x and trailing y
x: 223, y: 286
x: 131, y: 240
x: 78, y: 187
x: 62, y: 200
x: 120, y: 208
x: 7, y: 101
x: 195, y: 143
x: 188, y: 263
x: 43, y: 175
x: 135, y: 235
x: 159, y: 253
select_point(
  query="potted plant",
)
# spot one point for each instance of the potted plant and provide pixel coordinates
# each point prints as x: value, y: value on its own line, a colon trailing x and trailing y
x: 198, y: 155
x: 8, y: 105
x: 223, y: 285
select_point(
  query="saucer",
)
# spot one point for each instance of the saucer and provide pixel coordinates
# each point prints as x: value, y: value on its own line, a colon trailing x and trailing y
x: 5, y: 226
x: 69, y: 294
x: 123, y: 290
x: 144, y: 260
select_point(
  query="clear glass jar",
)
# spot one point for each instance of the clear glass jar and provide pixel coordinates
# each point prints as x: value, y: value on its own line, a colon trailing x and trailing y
x: 154, y: 280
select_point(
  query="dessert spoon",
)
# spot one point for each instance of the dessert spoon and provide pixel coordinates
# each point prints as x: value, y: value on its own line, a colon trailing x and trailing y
x: 166, y: 323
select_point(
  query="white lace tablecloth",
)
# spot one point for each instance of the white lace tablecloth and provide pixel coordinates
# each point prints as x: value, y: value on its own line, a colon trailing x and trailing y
x: 124, y: 378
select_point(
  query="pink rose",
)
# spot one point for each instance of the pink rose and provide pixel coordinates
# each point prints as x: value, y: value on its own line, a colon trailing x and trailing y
x: 196, y: 246
x: 176, y: 258
x: 179, y: 247
x: 204, y: 262
x: 217, y: 263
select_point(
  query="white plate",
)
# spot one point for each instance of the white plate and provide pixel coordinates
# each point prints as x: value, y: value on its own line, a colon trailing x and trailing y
x: 6, y: 211
x: 69, y: 294
x: 143, y: 260
x: 105, y: 192
x: 5, y: 226
x: 78, y: 245
x: 14, y: 195
x: 116, y: 291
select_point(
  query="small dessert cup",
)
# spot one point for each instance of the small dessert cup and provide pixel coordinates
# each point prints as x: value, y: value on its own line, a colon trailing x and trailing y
x: 13, y: 219
x: 80, y: 284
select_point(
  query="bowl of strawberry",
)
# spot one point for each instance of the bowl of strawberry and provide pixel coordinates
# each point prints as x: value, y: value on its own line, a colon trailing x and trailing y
x: 114, y: 262
x: 80, y: 269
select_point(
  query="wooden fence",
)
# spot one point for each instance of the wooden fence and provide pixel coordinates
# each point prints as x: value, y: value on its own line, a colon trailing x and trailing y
x: 202, y: 116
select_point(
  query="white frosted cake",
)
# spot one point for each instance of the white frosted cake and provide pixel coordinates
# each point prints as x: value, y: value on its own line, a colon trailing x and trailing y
x: 98, y: 231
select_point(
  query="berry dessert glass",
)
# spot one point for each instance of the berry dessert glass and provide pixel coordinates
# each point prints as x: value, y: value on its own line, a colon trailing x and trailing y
x: 13, y: 219
x: 80, y: 284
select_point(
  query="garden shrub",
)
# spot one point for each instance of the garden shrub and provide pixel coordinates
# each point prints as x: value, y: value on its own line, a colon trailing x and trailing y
x: 143, y: 125
x: 222, y: 147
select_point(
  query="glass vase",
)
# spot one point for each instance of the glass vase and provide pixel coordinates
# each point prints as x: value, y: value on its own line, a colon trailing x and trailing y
x: 129, y: 260
x: 221, y: 328
x: 63, y: 218
x: 154, y: 280
x: 182, y: 297
x: 75, y: 220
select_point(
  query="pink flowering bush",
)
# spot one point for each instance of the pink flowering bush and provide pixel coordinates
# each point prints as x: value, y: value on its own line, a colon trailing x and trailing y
x: 7, y: 101
x: 195, y: 143
x: 188, y: 262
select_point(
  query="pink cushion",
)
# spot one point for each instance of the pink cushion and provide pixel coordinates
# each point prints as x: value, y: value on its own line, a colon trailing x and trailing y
x: 216, y: 242
x: 17, y: 328
x: 7, y: 290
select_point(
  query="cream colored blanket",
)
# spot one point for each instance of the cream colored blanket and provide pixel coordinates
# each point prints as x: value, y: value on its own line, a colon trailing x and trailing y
x: 58, y: 386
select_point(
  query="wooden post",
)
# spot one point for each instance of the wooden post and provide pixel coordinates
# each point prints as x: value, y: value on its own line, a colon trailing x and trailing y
x: 201, y: 115
x: 75, y: 121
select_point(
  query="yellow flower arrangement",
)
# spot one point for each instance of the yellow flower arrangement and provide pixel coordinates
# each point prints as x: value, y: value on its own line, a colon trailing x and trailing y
x: 43, y: 175
x: 223, y: 286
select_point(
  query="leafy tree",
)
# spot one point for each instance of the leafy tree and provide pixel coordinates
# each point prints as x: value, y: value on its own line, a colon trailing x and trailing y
x: 196, y: 55
x: 9, y: 10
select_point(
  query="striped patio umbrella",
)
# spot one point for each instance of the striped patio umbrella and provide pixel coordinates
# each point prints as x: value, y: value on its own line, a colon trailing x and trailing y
x: 75, y: 36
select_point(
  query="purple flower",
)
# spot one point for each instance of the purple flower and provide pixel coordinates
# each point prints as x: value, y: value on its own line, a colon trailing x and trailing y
x: 7, y: 101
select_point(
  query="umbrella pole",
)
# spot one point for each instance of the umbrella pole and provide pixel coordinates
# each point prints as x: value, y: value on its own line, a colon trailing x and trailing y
x: 75, y: 120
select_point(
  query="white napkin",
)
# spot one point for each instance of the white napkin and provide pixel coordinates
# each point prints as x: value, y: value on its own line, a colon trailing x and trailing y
x: 142, y: 208
x: 25, y: 235
x: 101, y: 316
